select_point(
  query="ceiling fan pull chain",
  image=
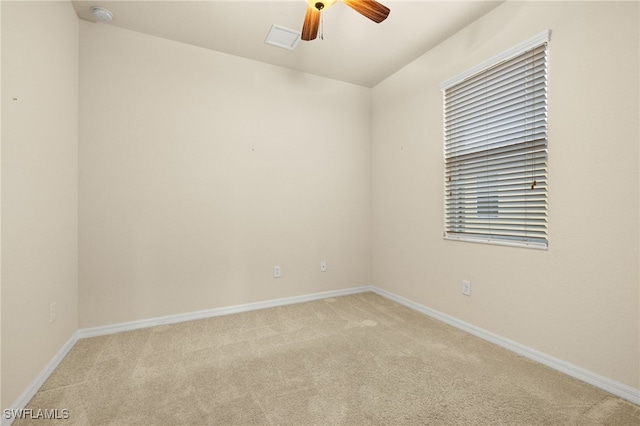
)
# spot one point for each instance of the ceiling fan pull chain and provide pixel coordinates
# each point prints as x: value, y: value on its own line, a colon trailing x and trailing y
x: 321, y: 25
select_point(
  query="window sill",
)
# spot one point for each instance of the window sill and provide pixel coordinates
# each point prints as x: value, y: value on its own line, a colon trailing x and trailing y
x: 522, y: 244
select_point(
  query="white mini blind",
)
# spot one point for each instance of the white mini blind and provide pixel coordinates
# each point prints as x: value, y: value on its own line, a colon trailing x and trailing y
x: 495, y: 148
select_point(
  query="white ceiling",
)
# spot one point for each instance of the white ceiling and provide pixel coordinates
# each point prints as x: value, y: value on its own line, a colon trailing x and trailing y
x: 354, y: 49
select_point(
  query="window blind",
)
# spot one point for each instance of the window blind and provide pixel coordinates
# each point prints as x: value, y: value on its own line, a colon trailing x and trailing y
x: 495, y: 148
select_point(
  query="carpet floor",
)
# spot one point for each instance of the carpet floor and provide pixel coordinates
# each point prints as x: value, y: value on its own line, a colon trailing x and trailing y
x: 353, y: 360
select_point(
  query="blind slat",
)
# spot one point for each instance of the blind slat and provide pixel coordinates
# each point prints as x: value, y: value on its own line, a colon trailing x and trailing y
x: 529, y: 86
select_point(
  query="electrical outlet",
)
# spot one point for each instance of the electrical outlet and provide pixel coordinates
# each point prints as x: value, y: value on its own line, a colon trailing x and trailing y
x: 277, y: 272
x: 323, y: 266
x: 52, y: 312
x: 466, y: 288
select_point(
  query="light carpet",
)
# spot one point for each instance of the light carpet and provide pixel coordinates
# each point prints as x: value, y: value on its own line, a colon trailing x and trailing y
x: 353, y: 360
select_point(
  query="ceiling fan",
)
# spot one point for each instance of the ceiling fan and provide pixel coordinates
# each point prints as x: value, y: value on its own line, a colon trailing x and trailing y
x: 371, y: 9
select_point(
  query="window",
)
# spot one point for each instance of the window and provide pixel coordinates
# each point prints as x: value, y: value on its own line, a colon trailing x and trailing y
x: 495, y: 149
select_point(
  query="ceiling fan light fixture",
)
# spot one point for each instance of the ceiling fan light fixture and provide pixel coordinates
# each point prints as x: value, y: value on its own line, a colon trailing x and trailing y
x: 321, y: 4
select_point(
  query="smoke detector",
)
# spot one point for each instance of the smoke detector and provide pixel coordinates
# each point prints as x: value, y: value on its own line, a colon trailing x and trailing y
x: 102, y: 14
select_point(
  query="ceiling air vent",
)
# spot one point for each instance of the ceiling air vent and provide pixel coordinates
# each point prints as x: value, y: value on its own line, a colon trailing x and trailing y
x: 283, y: 37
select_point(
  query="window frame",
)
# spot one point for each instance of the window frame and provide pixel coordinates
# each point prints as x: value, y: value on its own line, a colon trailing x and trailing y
x: 534, y: 42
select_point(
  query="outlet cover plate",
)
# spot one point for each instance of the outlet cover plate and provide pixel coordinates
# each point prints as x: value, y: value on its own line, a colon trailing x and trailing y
x: 466, y: 287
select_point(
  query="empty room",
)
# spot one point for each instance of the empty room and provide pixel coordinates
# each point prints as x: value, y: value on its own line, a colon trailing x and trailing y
x: 329, y: 212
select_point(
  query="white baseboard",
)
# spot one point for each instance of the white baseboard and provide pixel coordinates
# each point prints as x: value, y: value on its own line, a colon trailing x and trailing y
x: 611, y: 386
x: 616, y: 388
x: 31, y: 390
x: 190, y: 316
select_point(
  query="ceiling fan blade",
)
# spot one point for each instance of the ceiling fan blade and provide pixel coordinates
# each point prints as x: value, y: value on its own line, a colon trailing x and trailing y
x: 311, y: 24
x: 373, y: 10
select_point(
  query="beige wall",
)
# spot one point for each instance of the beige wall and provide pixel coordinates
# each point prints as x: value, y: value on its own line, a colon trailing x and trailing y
x: 200, y: 171
x: 579, y: 300
x: 39, y: 187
